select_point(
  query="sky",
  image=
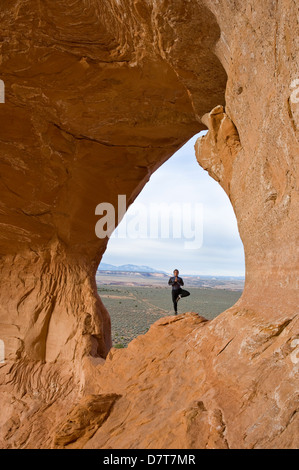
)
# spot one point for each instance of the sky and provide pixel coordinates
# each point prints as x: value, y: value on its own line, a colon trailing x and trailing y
x: 181, y: 219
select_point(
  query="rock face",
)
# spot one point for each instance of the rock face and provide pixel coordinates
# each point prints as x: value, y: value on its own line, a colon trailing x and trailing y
x: 83, y: 421
x: 97, y: 96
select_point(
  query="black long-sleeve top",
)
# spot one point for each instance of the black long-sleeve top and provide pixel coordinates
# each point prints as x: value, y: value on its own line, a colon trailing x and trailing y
x: 176, y: 284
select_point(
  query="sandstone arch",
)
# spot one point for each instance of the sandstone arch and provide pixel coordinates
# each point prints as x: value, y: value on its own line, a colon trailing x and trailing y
x: 148, y: 74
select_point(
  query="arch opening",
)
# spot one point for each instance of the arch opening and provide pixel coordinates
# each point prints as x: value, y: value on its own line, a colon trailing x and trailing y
x: 182, y: 218
x: 142, y: 97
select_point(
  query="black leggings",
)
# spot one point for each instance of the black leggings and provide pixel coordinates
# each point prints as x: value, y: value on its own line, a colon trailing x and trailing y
x: 175, y: 294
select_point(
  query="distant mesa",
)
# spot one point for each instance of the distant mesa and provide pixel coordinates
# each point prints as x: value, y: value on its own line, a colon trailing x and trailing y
x: 133, y: 268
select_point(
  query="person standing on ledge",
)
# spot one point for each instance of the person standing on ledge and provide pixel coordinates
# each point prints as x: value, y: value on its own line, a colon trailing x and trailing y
x: 177, y: 292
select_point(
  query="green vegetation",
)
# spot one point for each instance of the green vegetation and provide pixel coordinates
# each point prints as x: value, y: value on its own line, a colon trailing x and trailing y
x: 119, y: 345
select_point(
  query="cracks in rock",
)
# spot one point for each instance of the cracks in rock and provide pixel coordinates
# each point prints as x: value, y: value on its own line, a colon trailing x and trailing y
x: 221, y: 350
x: 291, y: 418
x: 108, y: 144
x: 281, y: 327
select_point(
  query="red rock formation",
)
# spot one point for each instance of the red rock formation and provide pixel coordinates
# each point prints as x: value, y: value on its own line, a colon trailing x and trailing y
x: 97, y: 96
x: 190, y: 383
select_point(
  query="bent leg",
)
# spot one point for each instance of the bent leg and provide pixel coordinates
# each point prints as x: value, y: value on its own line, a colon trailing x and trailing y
x: 184, y: 293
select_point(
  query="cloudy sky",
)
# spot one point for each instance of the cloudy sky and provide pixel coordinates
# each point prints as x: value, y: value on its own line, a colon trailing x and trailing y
x: 182, y: 219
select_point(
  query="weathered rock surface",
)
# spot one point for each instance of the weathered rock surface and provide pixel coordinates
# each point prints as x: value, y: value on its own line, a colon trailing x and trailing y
x: 83, y: 421
x: 191, y: 383
x: 98, y: 95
